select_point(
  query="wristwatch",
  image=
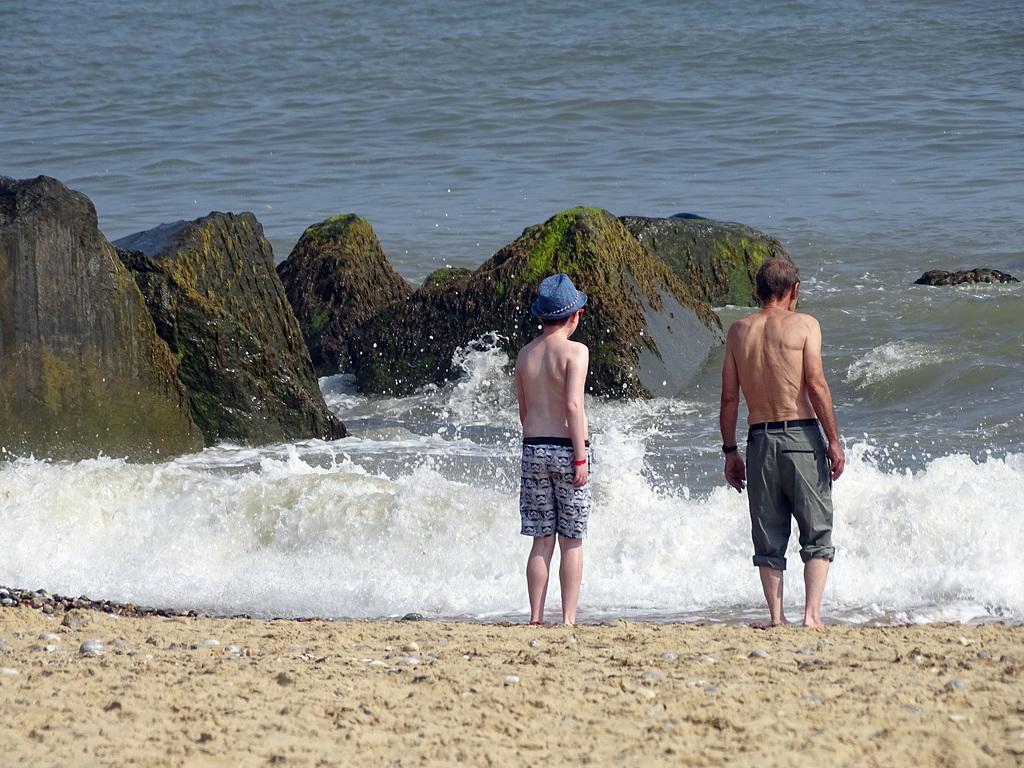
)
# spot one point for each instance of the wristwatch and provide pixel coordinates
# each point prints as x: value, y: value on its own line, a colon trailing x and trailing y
x: 729, y: 448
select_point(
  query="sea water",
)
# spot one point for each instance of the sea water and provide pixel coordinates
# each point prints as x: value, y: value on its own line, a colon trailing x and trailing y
x: 875, y: 141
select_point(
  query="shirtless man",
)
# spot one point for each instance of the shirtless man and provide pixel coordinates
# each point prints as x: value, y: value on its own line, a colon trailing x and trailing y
x: 554, y: 497
x: 774, y: 357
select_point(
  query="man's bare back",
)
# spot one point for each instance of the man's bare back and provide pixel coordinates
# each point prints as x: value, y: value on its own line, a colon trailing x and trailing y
x: 771, y: 350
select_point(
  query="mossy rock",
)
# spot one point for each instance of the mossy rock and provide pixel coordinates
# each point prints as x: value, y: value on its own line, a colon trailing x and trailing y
x: 717, y: 260
x: 337, y: 277
x: 84, y: 372
x: 646, y: 331
x: 939, y: 277
x: 217, y: 301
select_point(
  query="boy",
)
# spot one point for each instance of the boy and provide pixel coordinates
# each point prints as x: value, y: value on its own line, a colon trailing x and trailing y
x: 554, y: 498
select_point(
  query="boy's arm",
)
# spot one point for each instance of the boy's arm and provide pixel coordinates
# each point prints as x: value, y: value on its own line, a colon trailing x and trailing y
x: 521, y: 395
x: 575, y: 417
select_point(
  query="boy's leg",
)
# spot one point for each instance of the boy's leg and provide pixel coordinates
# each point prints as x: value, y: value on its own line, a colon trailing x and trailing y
x: 537, y: 565
x: 570, y: 575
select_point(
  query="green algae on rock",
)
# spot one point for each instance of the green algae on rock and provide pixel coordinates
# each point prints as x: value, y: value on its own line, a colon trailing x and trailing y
x: 646, y: 331
x: 217, y: 301
x: 717, y: 260
x: 84, y: 372
x: 336, y: 278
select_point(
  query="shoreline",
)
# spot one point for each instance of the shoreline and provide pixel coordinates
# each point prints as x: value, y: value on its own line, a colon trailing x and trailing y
x: 194, y: 690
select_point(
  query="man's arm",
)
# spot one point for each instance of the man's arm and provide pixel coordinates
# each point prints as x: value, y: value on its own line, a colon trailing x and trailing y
x: 575, y: 417
x: 821, y: 396
x: 735, y: 471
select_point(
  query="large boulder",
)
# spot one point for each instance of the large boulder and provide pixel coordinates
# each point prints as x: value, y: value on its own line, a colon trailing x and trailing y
x: 940, y: 277
x: 337, y: 278
x: 211, y: 287
x: 717, y: 260
x: 82, y: 370
x: 647, y: 333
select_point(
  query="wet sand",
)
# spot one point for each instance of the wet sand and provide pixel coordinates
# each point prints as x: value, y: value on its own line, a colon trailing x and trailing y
x: 190, y: 691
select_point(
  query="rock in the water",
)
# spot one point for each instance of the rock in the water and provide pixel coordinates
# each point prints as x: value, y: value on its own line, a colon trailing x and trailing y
x: 646, y: 332
x: 336, y: 278
x: 212, y: 289
x: 969, y: 276
x: 83, y: 371
x: 717, y: 260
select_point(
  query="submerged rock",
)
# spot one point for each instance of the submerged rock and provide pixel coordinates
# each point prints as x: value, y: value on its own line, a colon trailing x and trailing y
x: 83, y: 370
x: 646, y: 331
x: 716, y: 259
x: 971, y: 276
x: 217, y: 301
x: 336, y: 278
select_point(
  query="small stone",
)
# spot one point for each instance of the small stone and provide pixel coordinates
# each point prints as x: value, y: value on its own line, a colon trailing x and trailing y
x: 413, y: 617
x: 653, y: 673
x: 825, y: 641
x: 759, y: 654
x: 912, y: 708
x: 964, y: 641
x: 805, y: 652
x: 116, y: 642
x: 812, y: 697
x: 512, y: 678
x: 534, y: 643
x: 955, y: 684
x: 51, y: 648
x: 670, y: 655
x: 411, y: 647
x: 711, y: 689
x: 211, y: 641
x: 50, y: 637
x: 1007, y: 659
x: 91, y: 648
x: 984, y: 655
x: 233, y: 649
x: 569, y: 640
x: 408, y: 660
x: 8, y: 671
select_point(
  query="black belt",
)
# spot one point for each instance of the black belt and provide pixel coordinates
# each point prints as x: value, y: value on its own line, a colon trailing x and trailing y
x: 564, y: 442
x: 764, y: 426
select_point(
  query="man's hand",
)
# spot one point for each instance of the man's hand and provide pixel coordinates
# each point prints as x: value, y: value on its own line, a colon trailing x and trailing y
x: 579, y: 477
x: 736, y: 471
x: 836, y: 460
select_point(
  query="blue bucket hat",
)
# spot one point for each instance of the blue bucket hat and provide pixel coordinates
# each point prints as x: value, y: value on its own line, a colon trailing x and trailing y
x: 557, y: 297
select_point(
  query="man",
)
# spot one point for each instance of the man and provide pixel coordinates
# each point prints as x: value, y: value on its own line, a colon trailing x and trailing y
x: 554, y: 498
x: 774, y: 357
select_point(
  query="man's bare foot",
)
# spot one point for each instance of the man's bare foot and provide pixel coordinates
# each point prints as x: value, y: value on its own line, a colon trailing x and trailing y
x: 813, y: 623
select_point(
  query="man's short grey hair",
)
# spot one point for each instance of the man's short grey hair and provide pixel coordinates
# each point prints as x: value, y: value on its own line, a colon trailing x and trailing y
x: 775, y: 279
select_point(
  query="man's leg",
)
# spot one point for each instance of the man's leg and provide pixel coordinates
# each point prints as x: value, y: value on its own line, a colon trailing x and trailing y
x: 537, y: 565
x: 815, y: 574
x: 771, y: 583
x: 570, y: 575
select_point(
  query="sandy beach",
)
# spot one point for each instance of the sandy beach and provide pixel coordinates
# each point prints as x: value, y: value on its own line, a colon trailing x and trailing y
x: 91, y: 688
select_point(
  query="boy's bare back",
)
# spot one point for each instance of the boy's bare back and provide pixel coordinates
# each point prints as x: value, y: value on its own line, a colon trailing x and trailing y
x: 550, y: 375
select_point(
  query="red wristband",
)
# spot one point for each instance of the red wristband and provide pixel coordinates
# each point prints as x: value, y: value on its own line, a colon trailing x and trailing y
x: 580, y: 463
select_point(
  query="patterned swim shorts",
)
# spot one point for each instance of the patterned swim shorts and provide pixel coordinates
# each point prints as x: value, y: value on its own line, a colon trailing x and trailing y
x: 548, y: 502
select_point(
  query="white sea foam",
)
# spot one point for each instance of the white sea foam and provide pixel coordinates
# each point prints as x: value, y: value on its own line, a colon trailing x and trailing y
x: 293, y: 537
x: 891, y: 359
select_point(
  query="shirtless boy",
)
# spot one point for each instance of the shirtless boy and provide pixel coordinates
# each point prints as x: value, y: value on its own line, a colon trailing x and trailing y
x: 554, y: 498
x: 774, y: 357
